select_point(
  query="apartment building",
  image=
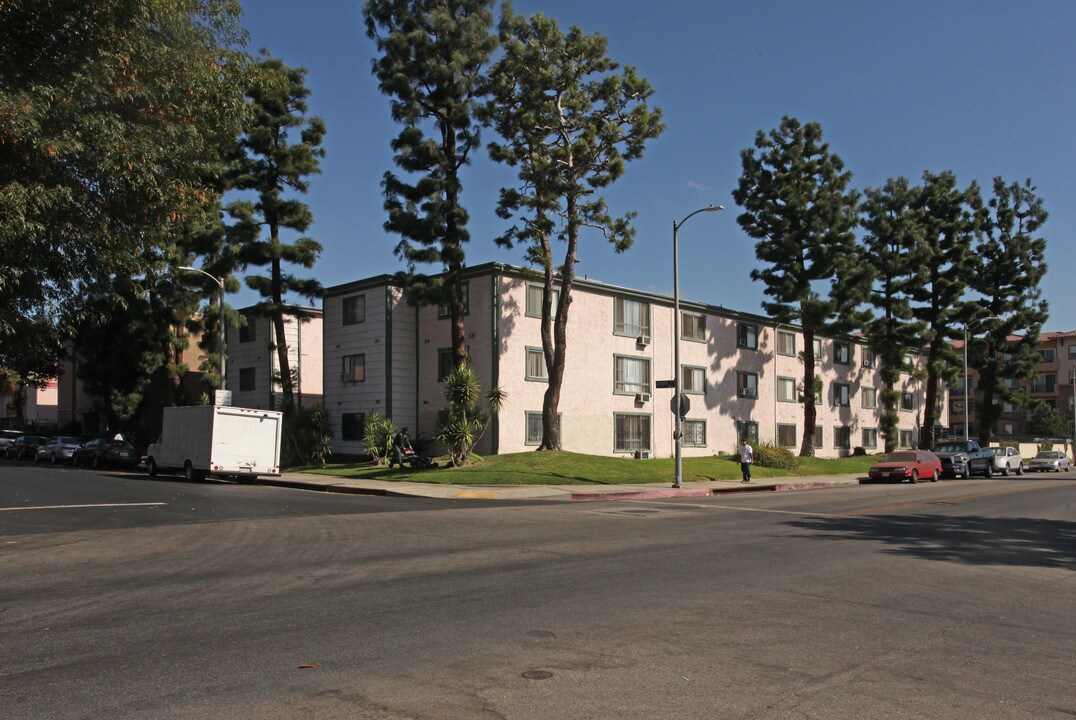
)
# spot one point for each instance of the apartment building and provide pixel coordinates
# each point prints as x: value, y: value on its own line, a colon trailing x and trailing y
x: 741, y: 372
x: 253, y: 366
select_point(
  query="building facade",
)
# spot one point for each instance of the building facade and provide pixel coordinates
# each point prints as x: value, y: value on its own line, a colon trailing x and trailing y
x: 741, y: 373
x: 253, y: 368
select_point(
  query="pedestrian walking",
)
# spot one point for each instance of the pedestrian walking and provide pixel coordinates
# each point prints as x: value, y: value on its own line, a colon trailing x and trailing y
x: 747, y: 456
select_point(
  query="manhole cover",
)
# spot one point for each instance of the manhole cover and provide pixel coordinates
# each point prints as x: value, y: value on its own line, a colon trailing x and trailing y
x: 537, y: 674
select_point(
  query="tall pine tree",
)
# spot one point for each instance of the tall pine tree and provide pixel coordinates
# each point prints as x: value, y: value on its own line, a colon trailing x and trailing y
x: 279, y: 150
x: 569, y: 119
x: 797, y: 204
x: 433, y: 56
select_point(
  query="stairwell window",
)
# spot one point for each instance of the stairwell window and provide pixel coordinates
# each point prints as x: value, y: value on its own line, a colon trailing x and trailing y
x: 354, y: 368
x: 786, y: 343
x: 354, y: 309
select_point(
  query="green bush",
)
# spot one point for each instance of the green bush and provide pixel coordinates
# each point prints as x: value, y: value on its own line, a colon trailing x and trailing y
x: 771, y: 456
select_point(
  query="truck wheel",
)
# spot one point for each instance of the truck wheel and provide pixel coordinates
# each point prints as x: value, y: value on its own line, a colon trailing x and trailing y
x: 189, y: 473
x: 915, y: 476
x: 152, y: 467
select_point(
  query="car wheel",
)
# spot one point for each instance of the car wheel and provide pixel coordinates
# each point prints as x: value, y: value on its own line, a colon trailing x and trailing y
x: 53, y: 459
x: 934, y: 476
x: 1005, y: 470
x: 96, y: 461
x: 37, y: 458
x: 915, y: 476
x: 152, y: 467
x: 1020, y: 469
x: 989, y: 472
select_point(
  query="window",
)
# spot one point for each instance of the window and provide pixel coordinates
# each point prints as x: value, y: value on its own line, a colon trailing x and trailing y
x: 534, y: 301
x: 868, y: 358
x: 819, y: 387
x: 354, y: 368
x: 248, y: 332
x: 842, y: 437
x: 906, y: 440
x: 957, y: 388
x: 786, y: 389
x: 747, y: 429
x: 693, y: 380
x: 957, y: 407
x: 1049, y: 354
x: 353, y: 426
x: 444, y: 311
x: 1011, y: 407
x: 444, y: 363
x: 842, y: 353
x: 870, y: 438
x: 534, y: 428
x: 631, y: 432
x: 692, y: 326
x: 786, y: 343
x: 907, y: 401
x: 1043, y: 383
x: 1072, y: 352
x: 870, y: 398
x: 694, y: 433
x: 817, y: 350
x: 354, y: 309
x: 536, y: 369
x: 817, y: 439
x: 786, y: 436
x: 747, y: 336
x: 842, y: 394
x: 246, y: 379
x: 630, y: 317
x: 631, y: 375
x: 747, y: 385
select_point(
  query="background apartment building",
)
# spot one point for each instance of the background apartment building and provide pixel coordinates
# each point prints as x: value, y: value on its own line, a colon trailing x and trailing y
x: 742, y: 373
x: 253, y: 368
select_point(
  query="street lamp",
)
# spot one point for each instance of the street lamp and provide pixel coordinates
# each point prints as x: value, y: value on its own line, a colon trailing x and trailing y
x: 678, y: 431
x: 972, y: 324
x: 220, y: 282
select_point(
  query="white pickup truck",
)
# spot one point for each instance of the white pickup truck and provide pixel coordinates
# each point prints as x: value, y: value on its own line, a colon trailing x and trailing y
x: 234, y: 442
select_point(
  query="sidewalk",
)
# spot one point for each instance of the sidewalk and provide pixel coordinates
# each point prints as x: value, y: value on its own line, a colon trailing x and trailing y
x: 359, y: 486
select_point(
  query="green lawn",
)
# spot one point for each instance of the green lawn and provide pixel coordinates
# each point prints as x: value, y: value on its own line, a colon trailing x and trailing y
x: 564, y: 468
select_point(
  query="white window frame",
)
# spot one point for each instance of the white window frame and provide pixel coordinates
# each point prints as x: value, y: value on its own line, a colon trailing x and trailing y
x: 634, y: 326
x: 622, y: 385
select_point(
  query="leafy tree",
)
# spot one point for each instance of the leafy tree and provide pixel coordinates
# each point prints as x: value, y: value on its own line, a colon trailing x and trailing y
x: 893, y: 242
x: 433, y: 57
x: 33, y: 361
x: 797, y: 204
x: 938, y: 297
x: 461, y: 425
x: 277, y: 151
x: 1009, y: 264
x: 569, y: 121
x: 1047, y: 421
x: 109, y: 111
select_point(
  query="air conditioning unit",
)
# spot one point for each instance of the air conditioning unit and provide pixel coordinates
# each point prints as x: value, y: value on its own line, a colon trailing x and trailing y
x: 743, y: 342
x: 642, y: 454
x: 345, y: 378
x: 642, y: 397
x: 643, y: 340
x: 746, y: 392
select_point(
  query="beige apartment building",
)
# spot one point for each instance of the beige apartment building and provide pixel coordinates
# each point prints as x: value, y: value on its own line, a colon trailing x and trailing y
x: 742, y: 372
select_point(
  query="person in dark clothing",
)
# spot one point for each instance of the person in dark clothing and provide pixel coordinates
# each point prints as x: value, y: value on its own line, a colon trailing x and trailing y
x: 401, y: 444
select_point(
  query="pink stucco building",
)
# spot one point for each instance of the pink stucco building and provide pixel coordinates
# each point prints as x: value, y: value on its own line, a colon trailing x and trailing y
x: 741, y: 372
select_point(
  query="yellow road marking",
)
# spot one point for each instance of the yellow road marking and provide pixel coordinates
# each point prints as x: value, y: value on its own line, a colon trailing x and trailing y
x: 478, y: 495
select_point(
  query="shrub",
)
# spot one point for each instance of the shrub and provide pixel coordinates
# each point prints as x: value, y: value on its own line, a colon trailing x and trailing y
x: 771, y: 456
x: 378, y: 438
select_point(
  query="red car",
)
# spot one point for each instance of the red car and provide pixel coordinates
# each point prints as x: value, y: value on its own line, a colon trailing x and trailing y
x: 908, y: 465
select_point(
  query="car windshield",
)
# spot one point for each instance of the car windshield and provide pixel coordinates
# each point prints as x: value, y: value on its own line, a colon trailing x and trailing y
x: 900, y: 457
x: 1048, y: 455
x: 950, y: 447
x: 122, y: 444
x: 68, y: 441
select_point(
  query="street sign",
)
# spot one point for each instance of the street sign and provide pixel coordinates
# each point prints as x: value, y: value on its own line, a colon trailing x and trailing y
x: 665, y: 384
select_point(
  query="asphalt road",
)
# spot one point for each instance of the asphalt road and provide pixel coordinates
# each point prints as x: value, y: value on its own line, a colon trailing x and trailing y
x: 948, y: 600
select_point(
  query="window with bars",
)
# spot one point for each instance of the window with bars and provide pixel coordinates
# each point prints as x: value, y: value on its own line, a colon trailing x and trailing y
x: 694, y: 433
x: 786, y: 436
x: 631, y: 432
x: 747, y: 429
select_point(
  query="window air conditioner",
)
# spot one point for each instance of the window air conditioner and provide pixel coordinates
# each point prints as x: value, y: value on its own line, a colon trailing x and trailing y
x: 745, y: 392
x: 345, y: 378
x: 642, y: 397
x: 643, y: 339
x: 743, y: 342
x: 642, y: 454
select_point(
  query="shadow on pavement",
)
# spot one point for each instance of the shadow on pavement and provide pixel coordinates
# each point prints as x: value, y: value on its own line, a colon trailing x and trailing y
x: 971, y: 540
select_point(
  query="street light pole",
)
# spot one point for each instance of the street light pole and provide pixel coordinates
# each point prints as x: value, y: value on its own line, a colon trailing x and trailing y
x: 967, y: 382
x: 219, y: 282
x: 677, y: 421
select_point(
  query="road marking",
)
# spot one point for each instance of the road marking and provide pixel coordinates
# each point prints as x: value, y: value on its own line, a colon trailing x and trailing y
x: 70, y: 507
x: 953, y: 500
x: 734, y: 507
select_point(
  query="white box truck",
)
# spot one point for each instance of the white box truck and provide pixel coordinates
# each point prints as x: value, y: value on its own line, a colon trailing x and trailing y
x: 213, y: 439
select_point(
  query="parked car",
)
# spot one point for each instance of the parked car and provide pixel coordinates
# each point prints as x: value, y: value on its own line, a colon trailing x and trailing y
x: 24, y: 447
x: 61, y: 447
x: 1049, y: 460
x: 1007, y: 460
x: 7, y: 437
x: 108, y: 452
x: 908, y: 465
x: 964, y: 458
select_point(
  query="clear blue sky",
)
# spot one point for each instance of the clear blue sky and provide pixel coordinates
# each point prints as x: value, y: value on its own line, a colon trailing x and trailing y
x: 979, y: 87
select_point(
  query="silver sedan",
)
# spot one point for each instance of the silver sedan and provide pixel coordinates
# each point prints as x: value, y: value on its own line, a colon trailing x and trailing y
x: 1049, y: 460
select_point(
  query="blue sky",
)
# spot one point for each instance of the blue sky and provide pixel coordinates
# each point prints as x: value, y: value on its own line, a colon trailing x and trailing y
x: 981, y: 88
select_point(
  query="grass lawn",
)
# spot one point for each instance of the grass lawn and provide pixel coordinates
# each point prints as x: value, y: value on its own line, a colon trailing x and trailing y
x: 565, y: 468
